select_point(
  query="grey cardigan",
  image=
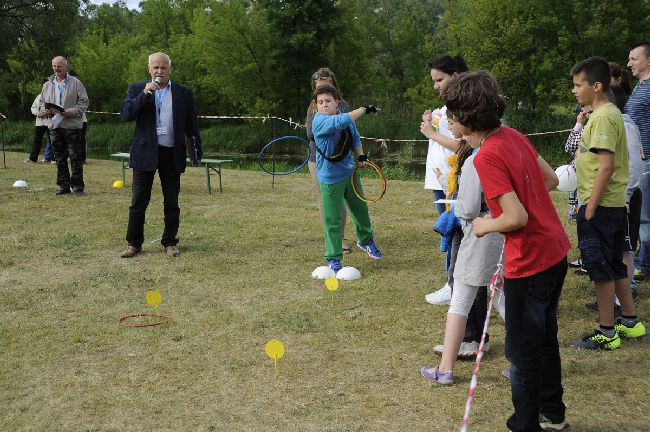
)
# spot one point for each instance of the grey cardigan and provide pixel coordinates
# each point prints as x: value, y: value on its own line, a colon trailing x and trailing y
x: 477, y: 257
x: 74, y: 97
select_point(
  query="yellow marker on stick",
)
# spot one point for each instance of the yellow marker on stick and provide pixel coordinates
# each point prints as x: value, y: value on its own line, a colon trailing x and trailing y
x: 332, y: 284
x: 153, y: 299
x: 275, y: 350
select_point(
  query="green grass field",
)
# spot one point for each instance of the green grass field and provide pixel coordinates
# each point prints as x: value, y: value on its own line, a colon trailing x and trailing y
x: 244, y: 278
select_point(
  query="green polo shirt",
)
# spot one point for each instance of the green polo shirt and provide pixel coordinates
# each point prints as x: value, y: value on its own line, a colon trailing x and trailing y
x: 605, y: 130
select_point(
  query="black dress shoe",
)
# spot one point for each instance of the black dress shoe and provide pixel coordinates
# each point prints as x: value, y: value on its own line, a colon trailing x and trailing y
x: 62, y: 191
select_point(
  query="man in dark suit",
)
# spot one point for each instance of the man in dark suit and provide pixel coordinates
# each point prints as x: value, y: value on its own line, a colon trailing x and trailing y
x: 164, y: 114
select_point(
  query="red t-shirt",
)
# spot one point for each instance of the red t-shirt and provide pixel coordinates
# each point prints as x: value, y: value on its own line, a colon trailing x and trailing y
x: 507, y: 162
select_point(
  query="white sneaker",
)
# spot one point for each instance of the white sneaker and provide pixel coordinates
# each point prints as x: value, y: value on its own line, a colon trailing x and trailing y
x: 467, y: 350
x: 576, y: 263
x: 440, y: 297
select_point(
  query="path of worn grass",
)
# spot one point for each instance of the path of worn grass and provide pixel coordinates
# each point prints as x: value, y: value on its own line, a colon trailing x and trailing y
x: 244, y: 278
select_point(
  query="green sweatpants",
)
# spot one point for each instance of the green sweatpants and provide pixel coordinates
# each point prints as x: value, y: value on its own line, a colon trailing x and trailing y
x: 334, y: 198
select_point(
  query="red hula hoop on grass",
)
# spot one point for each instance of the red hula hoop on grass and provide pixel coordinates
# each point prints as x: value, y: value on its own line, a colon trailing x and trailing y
x: 162, y: 320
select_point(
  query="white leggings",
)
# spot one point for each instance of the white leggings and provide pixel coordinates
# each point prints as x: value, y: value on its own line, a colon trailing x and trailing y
x: 462, y: 298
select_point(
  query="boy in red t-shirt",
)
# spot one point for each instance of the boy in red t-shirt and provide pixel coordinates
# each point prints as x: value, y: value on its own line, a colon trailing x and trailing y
x: 516, y: 181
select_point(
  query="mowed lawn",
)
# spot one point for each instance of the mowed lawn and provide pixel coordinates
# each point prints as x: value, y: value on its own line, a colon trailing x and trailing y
x: 244, y: 277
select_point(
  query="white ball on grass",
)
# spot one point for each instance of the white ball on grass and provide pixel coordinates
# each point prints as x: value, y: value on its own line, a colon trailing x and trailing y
x: 20, y: 183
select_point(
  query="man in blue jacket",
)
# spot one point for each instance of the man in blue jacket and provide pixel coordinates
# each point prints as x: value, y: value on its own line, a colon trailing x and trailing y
x: 164, y: 114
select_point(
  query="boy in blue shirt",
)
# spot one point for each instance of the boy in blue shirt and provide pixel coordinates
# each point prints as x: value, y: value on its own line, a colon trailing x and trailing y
x: 336, y: 136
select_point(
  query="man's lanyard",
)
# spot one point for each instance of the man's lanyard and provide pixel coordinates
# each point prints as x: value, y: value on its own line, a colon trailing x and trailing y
x: 61, y: 87
x: 160, y: 96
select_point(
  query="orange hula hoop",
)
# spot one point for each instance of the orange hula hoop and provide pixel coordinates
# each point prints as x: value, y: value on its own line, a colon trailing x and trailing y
x: 355, y: 186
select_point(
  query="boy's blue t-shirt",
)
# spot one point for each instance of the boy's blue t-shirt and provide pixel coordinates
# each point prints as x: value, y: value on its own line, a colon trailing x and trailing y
x: 327, y: 132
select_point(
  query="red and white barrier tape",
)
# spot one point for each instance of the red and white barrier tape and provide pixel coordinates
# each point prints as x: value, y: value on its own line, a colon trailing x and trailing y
x: 381, y: 141
x: 495, y: 284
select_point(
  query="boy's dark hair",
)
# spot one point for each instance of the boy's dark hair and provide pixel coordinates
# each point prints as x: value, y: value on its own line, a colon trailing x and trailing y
x: 594, y: 69
x: 327, y: 89
x: 474, y: 100
x: 645, y: 45
x: 449, y: 64
x: 618, y: 97
x: 624, y: 75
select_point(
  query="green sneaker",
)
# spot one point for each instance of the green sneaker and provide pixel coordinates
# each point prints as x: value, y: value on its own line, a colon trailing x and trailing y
x: 640, y: 275
x: 630, y: 332
x: 597, y: 341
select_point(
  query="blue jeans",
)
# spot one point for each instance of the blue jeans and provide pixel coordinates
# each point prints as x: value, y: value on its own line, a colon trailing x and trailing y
x: 532, y: 347
x: 49, y: 152
x: 437, y: 195
x: 643, y: 256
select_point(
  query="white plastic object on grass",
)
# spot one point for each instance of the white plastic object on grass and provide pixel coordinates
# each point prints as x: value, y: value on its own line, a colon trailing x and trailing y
x: 568, y: 179
x: 20, y: 183
x: 348, y: 273
x: 322, y: 272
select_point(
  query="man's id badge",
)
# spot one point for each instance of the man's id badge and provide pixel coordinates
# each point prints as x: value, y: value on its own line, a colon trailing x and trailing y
x: 161, y: 130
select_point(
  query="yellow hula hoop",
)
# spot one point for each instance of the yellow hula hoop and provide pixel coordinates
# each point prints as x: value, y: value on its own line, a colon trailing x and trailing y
x: 355, y: 186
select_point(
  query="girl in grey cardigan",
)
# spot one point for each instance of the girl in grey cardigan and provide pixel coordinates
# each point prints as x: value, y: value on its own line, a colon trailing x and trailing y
x: 476, y: 263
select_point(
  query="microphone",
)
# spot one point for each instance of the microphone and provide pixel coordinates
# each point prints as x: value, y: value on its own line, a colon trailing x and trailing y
x: 158, y: 80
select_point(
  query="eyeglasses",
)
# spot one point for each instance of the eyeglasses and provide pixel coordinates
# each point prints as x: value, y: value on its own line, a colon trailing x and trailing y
x: 322, y: 74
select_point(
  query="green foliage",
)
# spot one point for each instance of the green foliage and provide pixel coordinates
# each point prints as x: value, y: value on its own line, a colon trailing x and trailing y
x: 301, y: 31
x: 28, y: 41
x: 530, y: 46
x: 257, y: 56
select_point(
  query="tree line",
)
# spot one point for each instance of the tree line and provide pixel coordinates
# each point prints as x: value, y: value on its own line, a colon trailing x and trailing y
x: 257, y: 56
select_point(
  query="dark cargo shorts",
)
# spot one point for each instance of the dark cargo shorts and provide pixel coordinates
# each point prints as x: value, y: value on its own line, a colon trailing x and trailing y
x: 602, y: 243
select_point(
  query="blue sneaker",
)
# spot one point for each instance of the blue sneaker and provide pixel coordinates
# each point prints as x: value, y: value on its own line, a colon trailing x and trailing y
x: 371, y: 248
x: 334, y: 264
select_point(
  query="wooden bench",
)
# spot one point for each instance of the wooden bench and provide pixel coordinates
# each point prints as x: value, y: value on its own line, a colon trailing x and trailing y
x: 209, y: 164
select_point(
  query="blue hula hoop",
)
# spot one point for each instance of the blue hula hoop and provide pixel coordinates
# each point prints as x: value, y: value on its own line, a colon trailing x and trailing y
x: 263, y: 151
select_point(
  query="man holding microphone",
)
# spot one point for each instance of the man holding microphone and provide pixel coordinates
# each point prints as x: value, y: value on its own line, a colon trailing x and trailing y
x: 165, y: 114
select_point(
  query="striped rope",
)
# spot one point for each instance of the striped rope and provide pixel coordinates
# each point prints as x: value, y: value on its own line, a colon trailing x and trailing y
x: 381, y: 141
x: 495, y: 284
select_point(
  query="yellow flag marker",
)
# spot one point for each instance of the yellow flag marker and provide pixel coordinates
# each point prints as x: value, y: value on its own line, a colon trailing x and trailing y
x: 275, y: 350
x: 332, y: 283
x: 118, y: 184
x: 153, y: 299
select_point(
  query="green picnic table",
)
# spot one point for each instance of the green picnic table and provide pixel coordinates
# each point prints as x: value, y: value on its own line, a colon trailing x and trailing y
x: 209, y: 164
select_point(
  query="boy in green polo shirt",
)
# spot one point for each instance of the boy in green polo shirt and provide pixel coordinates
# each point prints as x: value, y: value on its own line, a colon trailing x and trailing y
x: 602, y: 170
